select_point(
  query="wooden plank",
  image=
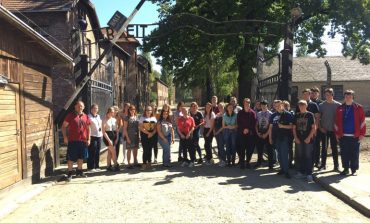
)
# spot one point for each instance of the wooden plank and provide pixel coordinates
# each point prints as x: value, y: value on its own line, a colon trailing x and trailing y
x: 7, y: 146
x: 6, y: 118
x: 8, y: 128
x: 7, y: 138
x: 11, y: 122
x: 6, y: 93
x: 7, y: 97
x: 38, y: 85
x: 47, y: 100
x: 39, y: 93
x: 7, y: 102
x: 37, y: 107
x: 33, y: 115
x: 7, y: 181
x: 37, y: 121
x: 8, y: 133
x: 9, y: 159
x: 8, y: 154
x: 40, y: 143
x: 8, y: 167
x: 7, y: 108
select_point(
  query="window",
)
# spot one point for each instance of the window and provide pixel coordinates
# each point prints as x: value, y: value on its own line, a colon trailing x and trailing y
x: 338, y: 92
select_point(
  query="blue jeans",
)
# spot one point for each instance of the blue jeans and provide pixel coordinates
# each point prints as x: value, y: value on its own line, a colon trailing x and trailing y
x: 350, y: 152
x: 221, y: 146
x: 282, y: 148
x: 230, y: 142
x: 166, y: 149
x: 305, y: 156
x: 196, y: 135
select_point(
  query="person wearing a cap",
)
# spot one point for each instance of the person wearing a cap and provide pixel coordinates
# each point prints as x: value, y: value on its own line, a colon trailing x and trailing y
x: 304, y: 131
x: 350, y: 129
x: 281, y: 124
x: 262, y: 127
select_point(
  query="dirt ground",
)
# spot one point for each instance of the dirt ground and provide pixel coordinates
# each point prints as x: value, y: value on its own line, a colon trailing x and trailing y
x: 182, y: 194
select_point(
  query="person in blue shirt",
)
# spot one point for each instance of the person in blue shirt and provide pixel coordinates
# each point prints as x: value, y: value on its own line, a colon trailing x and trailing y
x: 229, y: 126
x: 281, y: 124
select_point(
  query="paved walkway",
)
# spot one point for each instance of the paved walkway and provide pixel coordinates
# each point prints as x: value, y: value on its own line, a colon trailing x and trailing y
x: 353, y: 190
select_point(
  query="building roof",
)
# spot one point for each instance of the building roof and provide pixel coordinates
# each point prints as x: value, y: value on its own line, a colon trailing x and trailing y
x: 160, y: 81
x: 23, y: 27
x: 313, y: 69
x: 141, y: 60
x: 29, y: 6
x: 38, y: 5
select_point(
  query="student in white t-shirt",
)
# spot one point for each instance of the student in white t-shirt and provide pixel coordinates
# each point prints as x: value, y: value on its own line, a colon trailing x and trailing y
x: 209, y: 123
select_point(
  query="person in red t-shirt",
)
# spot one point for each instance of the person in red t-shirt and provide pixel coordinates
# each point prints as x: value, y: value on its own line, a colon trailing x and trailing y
x: 78, y: 138
x: 185, y: 128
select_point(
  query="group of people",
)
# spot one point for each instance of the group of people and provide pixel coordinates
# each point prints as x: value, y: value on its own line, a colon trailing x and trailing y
x: 238, y: 132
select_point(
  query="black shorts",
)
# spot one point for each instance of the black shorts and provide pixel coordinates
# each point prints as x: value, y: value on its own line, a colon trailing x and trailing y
x: 76, y: 150
x: 111, y: 135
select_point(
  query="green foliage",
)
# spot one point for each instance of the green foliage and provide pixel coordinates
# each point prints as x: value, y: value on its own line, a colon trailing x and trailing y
x: 211, y: 61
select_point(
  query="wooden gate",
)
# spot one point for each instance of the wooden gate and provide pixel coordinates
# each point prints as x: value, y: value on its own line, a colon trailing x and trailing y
x: 10, y: 136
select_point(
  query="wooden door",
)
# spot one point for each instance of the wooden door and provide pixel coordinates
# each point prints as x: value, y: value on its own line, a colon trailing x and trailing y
x: 10, y: 136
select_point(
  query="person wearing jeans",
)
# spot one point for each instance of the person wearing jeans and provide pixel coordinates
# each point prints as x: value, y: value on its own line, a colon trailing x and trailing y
x: 303, y: 131
x: 229, y: 126
x: 176, y: 116
x: 350, y: 129
x: 166, y: 136
x: 262, y: 127
x: 218, y: 133
x: 185, y: 126
x: 280, y: 129
x: 327, y: 114
x: 209, y: 122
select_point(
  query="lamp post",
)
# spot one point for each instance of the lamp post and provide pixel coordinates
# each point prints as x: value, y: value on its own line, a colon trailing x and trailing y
x: 287, y: 56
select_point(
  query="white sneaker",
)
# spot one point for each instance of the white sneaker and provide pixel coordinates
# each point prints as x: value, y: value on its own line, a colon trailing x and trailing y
x: 184, y: 164
x: 309, y: 179
x: 299, y: 175
x: 191, y: 164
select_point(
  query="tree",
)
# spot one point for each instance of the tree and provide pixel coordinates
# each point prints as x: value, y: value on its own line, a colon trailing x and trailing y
x: 186, y: 50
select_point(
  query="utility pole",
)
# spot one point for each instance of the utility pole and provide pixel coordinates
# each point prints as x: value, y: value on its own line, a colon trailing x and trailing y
x: 287, y: 56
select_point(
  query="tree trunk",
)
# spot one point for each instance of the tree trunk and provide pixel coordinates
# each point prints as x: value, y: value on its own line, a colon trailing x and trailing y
x: 244, y: 83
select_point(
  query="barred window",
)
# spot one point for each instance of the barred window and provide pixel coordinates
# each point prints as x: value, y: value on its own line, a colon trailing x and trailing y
x: 338, y: 92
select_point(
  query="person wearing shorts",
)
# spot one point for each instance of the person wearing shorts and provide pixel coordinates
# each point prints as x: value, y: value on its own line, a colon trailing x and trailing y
x: 78, y: 138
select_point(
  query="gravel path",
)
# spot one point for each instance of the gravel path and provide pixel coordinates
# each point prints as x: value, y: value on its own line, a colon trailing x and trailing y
x: 200, y: 194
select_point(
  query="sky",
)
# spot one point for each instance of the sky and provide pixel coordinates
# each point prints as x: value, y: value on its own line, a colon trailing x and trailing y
x: 148, y: 14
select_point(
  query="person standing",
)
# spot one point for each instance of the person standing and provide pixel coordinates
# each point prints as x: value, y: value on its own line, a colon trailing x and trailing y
x: 291, y: 138
x: 166, y: 135
x: 176, y: 116
x: 217, y: 131
x: 313, y: 108
x: 209, y: 122
x: 246, y: 121
x: 229, y: 126
x: 327, y: 120
x: 237, y: 108
x: 262, y: 130
x: 118, y: 117
x: 110, y: 137
x: 185, y: 127
x: 304, y: 131
x: 147, y: 126
x: 214, y: 102
x: 199, y: 121
x: 78, y: 138
x: 350, y: 129
x: 123, y: 115
x: 95, y: 139
x: 281, y: 124
x: 155, y: 137
x: 315, y: 98
x: 131, y: 133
